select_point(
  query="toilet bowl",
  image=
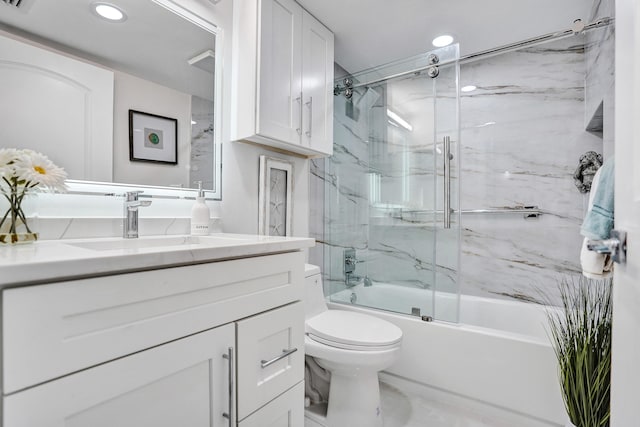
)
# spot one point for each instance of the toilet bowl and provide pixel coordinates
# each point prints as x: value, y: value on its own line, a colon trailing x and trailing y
x: 353, y: 347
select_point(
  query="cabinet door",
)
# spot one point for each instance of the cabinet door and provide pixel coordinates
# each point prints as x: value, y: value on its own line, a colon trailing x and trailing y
x: 270, y: 356
x: 285, y: 411
x: 317, y: 85
x: 182, y: 383
x: 280, y: 69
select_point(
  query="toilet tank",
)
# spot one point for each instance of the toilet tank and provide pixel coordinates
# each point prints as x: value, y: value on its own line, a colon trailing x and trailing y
x: 314, y: 302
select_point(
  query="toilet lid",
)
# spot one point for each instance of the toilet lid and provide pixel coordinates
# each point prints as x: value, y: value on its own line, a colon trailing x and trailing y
x: 348, y: 329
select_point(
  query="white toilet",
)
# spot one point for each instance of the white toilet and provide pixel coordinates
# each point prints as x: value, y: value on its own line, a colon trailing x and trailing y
x: 353, y: 347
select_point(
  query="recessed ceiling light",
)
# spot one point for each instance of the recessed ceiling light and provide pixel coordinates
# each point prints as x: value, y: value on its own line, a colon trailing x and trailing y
x: 442, y: 41
x: 469, y: 88
x: 109, y: 12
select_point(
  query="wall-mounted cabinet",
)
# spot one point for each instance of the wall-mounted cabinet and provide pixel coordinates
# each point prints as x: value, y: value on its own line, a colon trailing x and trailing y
x: 282, y: 78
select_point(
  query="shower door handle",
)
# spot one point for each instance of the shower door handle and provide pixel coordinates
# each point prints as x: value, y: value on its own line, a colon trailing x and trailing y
x: 447, y: 183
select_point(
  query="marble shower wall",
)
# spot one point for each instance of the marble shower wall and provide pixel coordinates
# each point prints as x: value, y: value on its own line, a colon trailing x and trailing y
x: 523, y: 131
x: 600, y: 76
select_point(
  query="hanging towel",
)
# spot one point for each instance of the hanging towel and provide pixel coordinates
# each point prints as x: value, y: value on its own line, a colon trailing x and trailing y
x: 595, y: 265
x: 598, y: 222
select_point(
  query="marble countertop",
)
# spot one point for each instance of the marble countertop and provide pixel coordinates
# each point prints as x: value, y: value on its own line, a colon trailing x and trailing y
x: 57, y: 260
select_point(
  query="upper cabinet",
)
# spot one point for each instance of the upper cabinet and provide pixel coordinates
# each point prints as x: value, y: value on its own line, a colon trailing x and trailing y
x: 282, y: 78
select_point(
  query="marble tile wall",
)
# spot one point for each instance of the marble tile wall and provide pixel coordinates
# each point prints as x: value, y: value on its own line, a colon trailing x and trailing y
x: 522, y: 132
x: 600, y: 76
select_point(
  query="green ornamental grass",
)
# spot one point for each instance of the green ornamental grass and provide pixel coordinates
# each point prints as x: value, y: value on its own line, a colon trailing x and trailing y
x: 581, y: 338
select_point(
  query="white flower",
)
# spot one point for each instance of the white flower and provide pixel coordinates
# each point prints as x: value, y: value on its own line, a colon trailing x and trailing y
x: 7, y: 157
x: 36, y: 169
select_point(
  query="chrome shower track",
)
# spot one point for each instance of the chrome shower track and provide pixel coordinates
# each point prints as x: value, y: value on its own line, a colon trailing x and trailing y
x: 603, y: 22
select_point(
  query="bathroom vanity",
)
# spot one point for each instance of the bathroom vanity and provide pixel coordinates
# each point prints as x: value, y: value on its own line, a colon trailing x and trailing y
x: 166, y: 331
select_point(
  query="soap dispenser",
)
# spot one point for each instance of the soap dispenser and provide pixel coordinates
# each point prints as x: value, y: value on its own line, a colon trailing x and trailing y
x: 200, y: 214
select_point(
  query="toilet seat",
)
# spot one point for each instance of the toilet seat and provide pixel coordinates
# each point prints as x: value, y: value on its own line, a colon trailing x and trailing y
x: 353, y: 331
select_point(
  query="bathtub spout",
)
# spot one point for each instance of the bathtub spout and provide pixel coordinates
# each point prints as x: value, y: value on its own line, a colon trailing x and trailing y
x: 353, y: 280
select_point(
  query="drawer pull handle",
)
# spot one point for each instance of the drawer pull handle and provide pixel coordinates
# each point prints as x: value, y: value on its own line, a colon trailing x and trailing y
x: 232, y: 391
x: 285, y: 353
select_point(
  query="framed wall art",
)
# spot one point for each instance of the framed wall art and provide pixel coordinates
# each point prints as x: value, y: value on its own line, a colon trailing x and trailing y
x: 152, y: 138
x: 274, y: 197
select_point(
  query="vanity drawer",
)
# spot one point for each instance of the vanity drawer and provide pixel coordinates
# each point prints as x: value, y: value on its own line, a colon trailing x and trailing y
x: 264, y: 368
x: 53, y: 330
x: 285, y: 411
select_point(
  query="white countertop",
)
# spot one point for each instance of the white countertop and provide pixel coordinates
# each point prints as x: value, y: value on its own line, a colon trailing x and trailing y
x: 56, y: 260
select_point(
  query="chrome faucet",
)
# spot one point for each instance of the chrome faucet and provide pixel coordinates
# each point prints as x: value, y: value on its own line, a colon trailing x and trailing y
x: 131, y: 205
x: 350, y: 262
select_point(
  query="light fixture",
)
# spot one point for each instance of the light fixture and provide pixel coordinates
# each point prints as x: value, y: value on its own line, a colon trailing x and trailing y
x: 399, y: 120
x: 469, y: 88
x: 442, y: 41
x: 109, y: 12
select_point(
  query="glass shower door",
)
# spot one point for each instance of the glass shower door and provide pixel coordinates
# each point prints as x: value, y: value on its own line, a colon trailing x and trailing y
x: 391, y: 244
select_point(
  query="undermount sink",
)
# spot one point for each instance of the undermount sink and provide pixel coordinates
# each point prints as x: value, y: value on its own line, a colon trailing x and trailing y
x: 157, y: 242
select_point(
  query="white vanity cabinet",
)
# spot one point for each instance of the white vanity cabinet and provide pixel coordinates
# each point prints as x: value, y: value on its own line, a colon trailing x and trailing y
x: 182, y: 383
x: 282, y: 78
x: 184, y: 345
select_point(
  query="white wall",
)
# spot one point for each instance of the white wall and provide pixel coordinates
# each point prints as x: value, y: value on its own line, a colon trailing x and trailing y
x: 133, y: 93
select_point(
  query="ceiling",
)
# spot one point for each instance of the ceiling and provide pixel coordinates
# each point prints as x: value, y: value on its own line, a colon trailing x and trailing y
x: 369, y: 33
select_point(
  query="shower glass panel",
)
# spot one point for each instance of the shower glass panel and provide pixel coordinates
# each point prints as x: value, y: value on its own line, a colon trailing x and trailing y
x: 388, y: 243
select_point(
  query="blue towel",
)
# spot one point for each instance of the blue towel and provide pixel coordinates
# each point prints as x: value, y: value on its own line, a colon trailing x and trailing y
x: 598, y: 222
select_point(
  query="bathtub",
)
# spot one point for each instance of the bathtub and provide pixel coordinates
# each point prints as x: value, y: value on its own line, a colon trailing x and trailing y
x: 498, y: 354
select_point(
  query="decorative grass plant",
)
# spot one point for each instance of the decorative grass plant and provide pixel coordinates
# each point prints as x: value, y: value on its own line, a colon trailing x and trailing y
x: 581, y: 338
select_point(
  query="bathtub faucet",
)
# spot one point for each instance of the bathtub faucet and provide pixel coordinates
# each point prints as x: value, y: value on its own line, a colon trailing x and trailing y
x: 350, y: 261
x: 353, y: 280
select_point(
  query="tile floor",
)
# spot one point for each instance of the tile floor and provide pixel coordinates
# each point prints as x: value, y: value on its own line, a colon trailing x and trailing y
x: 401, y: 409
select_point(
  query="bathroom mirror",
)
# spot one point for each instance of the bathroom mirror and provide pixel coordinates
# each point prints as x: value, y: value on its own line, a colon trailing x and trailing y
x: 69, y: 79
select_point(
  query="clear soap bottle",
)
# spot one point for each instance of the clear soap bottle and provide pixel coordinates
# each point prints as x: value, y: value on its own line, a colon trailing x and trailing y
x: 200, y: 214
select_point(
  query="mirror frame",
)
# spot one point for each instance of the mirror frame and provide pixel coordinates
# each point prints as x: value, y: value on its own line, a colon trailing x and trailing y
x: 80, y: 187
x: 175, y: 7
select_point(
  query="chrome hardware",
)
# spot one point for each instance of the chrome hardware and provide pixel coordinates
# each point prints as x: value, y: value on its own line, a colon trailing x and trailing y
x: 433, y: 72
x: 615, y: 245
x: 433, y: 59
x: 447, y: 182
x: 130, y: 220
x: 232, y: 392
x: 353, y: 298
x: 310, y: 105
x: 299, y: 101
x: 427, y: 318
x: 577, y: 27
x: 285, y: 353
x: 348, y: 93
x: 415, y: 311
x: 347, y: 88
x: 350, y: 261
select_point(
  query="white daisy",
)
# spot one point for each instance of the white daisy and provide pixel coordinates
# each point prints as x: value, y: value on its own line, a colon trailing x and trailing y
x: 36, y: 169
x: 7, y: 157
